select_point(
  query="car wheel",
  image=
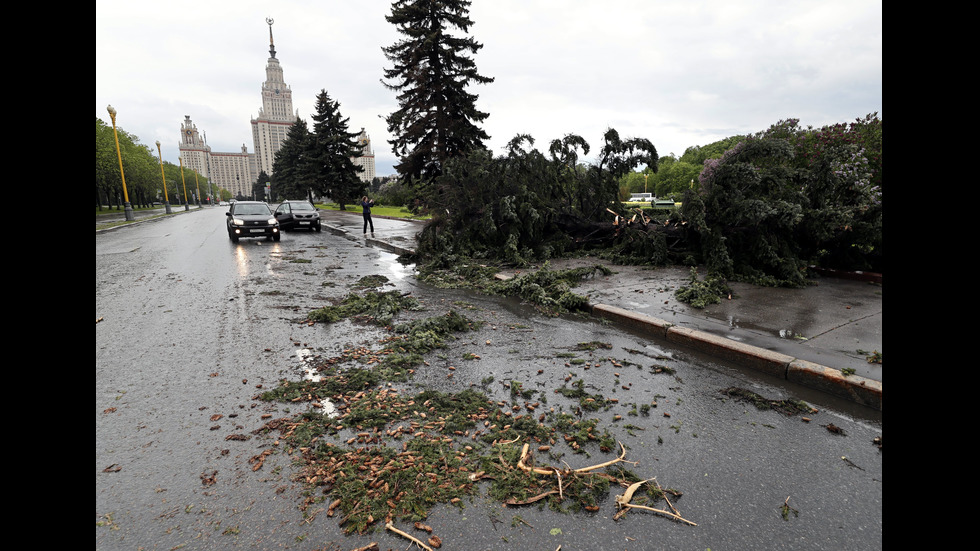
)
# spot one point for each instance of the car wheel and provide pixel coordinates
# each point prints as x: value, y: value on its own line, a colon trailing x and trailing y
x: 317, y: 227
x: 234, y: 238
x: 276, y: 237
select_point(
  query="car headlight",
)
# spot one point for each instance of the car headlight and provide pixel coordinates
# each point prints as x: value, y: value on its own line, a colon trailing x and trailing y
x: 273, y: 221
x: 238, y: 221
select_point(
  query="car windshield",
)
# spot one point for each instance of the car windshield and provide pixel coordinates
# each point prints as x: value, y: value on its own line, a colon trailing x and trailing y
x: 302, y: 206
x: 251, y: 209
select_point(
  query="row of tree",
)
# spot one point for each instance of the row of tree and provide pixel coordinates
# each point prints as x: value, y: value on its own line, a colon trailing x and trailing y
x: 674, y: 175
x: 144, y: 178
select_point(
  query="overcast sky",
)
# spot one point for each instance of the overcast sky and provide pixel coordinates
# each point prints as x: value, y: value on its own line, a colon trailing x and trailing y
x: 677, y: 72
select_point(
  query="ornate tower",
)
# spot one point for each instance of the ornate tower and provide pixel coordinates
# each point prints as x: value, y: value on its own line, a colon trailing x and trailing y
x: 276, y: 116
x: 192, y: 148
x: 366, y: 159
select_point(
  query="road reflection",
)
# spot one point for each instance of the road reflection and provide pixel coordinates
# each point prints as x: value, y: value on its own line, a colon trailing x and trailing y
x: 244, y: 253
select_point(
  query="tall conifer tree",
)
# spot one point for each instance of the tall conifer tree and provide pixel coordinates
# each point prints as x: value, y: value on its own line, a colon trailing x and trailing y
x: 437, y: 118
x: 331, y: 153
x: 290, y: 179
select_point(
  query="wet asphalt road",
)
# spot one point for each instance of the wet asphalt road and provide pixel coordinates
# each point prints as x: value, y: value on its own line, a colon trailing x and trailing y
x: 193, y: 327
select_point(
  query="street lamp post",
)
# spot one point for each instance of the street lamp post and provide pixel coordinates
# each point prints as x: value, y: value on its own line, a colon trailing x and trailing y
x: 198, y: 184
x: 207, y: 161
x: 186, y: 204
x: 166, y: 198
x: 127, y: 207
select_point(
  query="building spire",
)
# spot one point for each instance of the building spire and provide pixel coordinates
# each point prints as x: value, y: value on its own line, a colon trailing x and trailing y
x: 272, y: 44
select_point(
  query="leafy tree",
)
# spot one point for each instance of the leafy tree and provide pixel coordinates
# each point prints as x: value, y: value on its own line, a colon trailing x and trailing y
x: 142, y: 168
x: 674, y: 177
x: 786, y: 198
x: 107, y: 177
x: 330, y: 154
x: 437, y: 118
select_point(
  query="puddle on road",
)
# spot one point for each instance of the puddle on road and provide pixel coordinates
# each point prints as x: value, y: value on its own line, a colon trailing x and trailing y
x: 305, y: 356
x: 657, y: 352
x: 395, y: 269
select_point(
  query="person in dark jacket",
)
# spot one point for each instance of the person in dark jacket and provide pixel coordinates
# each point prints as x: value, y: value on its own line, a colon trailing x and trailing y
x: 366, y: 205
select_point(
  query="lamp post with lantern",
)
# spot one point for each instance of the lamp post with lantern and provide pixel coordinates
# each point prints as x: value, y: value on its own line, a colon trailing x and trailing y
x: 166, y: 198
x: 127, y: 208
x: 182, y: 181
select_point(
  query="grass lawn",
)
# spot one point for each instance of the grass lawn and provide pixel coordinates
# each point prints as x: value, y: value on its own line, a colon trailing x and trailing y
x: 377, y: 210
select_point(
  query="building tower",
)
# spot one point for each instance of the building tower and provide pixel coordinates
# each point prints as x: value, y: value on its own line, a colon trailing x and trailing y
x: 366, y: 159
x: 192, y: 148
x: 276, y: 116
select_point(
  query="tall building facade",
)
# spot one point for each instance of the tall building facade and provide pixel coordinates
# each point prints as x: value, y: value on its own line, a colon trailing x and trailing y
x: 366, y: 160
x: 231, y: 171
x: 276, y: 116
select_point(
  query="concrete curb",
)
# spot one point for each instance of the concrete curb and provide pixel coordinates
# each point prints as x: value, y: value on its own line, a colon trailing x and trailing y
x: 857, y: 389
x: 149, y: 219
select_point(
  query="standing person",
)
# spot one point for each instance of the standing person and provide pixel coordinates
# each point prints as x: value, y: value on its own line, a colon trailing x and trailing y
x: 366, y: 204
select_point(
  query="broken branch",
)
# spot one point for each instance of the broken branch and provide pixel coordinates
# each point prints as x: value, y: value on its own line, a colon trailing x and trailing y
x: 417, y: 541
x: 661, y: 511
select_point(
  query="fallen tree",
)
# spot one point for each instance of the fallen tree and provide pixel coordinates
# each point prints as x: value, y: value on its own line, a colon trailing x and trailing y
x: 771, y: 206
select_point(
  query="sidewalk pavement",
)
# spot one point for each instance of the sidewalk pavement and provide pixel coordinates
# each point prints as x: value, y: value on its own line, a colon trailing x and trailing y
x: 809, y: 336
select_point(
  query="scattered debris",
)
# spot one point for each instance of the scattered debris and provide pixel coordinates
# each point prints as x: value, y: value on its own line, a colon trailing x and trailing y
x: 700, y: 293
x: 834, y: 429
x: 397, y: 454
x: 785, y: 510
x: 209, y: 479
x: 786, y: 407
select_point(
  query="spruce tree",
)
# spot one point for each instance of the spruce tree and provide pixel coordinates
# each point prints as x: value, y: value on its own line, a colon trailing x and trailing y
x: 331, y: 152
x: 290, y: 178
x: 437, y: 118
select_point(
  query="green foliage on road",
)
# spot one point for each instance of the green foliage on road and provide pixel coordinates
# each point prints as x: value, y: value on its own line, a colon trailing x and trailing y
x: 387, y: 455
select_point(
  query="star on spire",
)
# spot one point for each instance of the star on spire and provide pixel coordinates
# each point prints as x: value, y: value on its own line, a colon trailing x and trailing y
x: 272, y: 44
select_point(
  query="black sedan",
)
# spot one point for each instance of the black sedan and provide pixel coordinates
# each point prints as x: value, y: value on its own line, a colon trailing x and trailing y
x: 252, y: 219
x: 298, y: 214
